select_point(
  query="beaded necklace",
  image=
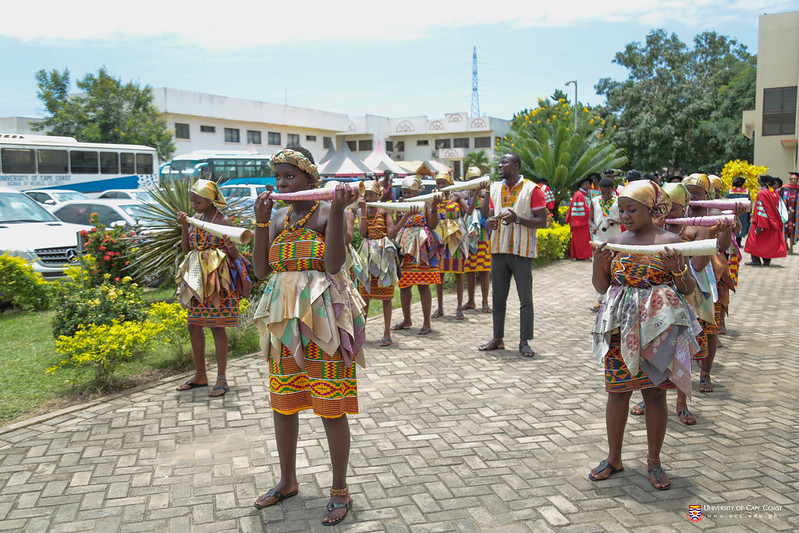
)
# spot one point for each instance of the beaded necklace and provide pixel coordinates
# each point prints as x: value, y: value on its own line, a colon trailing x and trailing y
x: 300, y: 223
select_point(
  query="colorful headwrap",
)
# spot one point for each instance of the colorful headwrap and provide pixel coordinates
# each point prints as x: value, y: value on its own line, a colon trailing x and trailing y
x: 444, y: 176
x: 699, y: 180
x: 373, y: 186
x: 716, y: 184
x: 298, y: 159
x: 678, y: 193
x: 650, y: 194
x: 210, y: 191
x: 472, y: 172
x: 413, y: 183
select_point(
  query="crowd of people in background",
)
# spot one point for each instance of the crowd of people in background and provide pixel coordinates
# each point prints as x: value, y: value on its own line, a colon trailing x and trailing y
x: 656, y: 314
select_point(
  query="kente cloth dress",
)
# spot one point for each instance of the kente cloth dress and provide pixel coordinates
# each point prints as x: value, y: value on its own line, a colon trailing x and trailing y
x: 479, y: 259
x: 658, y: 326
x: 312, y: 329
x: 378, y: 256
x: 455, y: 236
x: 210, y: 283
x: 421, y: 253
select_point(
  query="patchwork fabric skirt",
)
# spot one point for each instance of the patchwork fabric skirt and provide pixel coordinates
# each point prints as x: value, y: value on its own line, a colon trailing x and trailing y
x: 206, y: 315
x: 327, y: 385
x: 619, y: 379
x: 376, y: 292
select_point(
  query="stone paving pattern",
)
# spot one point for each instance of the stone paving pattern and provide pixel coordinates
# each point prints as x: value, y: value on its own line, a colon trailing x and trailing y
x: 449, y: 439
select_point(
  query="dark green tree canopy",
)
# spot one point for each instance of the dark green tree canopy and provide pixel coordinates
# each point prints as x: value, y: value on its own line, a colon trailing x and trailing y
x: 105, y: 111
x: 680, y: 107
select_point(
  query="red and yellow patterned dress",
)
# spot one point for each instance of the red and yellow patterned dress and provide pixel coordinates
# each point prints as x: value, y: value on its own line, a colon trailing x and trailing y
x: 479, y: 259
x: 378, y: 253
x: 210, y: 283
x: 658, y: 326
x: 312, y: 329
x: 455, y: 236
x: 421, y: 250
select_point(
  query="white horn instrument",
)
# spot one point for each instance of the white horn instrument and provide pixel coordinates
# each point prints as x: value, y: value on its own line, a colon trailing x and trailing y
x: 692, y: 248
x: 399, y: 207
x: 465, y: 186
x: 315, y: 194
x: 236, y: 234
x: 427, y: 197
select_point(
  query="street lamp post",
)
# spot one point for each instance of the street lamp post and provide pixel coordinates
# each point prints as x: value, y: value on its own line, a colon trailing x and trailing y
x: 575, y: 102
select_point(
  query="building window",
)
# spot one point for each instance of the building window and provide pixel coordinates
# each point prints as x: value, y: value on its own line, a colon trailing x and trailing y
x: 181, y: 131
x: 422, y: 142
x: 779, y: 111
x: 273, y: 138
x: 442, y: 143
x: 327, y: 142
x: 231, y: 135
x: 400, y: 146
x: 207, y: 129
x: 482, y: 142
x: 293, y: 139
x: 253, y: 137
x: 389, y: 146
x: 352, y: 145
x: 463, y: 142
x: 310, y: 138
x: 365, y: 146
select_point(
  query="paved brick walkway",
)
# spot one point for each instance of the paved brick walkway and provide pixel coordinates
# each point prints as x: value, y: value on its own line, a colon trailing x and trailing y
x: 450, y: 439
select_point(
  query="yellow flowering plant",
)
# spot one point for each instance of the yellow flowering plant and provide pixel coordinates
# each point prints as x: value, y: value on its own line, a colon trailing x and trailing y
x: 748, y: 171
x: 21, y: 287
x: 553, y: 243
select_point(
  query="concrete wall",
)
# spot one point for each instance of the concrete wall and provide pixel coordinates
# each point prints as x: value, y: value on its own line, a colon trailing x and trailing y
x: 777, y: 66
x: 18, y: 125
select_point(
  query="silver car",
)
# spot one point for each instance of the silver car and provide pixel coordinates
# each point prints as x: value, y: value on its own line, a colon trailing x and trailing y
x: 29, y: 231
x: 110, y: 212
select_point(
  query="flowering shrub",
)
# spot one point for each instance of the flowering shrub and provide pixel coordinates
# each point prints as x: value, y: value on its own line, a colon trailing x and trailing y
x: 20, y: 286
x: 553, y: 243
x: 104, y: 347
x: 102, y: 305
x: 109, y: 252
x: 168, y: 320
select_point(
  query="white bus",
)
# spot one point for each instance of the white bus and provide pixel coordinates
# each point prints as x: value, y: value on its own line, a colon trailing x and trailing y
x: 50, y: 162
x: 230, y: 167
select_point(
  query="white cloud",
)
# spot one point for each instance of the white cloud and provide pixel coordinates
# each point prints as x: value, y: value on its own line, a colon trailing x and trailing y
x: 234, y: 24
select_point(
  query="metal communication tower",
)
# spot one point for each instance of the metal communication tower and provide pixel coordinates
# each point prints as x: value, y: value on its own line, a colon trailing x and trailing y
x: 475, y: 96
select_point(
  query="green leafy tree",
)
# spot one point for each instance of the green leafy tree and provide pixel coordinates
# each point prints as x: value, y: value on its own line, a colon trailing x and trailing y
x: 477, y: 159
x: 105, y: 111
x: 549, y: 146
x: 674, y: 109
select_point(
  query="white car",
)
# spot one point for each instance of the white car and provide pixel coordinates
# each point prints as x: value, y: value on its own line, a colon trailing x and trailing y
x: 110, y: 212
x: 29, y: 231
x: 52, y: 197
x: 141, y: 195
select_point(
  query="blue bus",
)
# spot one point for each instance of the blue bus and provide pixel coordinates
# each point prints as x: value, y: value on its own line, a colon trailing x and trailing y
x: 228, y: 167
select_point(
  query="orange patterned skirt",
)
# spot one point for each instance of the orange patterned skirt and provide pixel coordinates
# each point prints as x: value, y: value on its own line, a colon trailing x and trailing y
x: 414, y: 273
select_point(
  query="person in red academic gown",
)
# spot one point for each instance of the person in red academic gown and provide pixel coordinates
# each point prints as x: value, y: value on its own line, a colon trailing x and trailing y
x: 578, y: 218
x: 765, y: 240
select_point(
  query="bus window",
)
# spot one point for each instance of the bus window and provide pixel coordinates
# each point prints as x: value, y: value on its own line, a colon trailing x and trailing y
x: 83, y: 162
x: 18, y: 161
x: 109, y: 163
x: 53, y: 161
x: 144, y: 163
x: 128, y: 163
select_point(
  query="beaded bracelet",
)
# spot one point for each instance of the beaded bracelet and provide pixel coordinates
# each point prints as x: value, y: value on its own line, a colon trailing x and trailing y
x: 263, y: 224
x: 679, y: 274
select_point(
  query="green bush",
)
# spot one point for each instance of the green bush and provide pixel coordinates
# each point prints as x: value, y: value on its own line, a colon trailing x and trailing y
x: 169, y: 321
x: 553, y: 243
x: 77, y: 307
x: 21, y: 287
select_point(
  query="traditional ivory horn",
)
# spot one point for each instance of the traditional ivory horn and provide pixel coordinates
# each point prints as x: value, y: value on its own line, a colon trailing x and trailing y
x: 721, y: 203
x: 701, y: 221
x: 703, y: 247
x: 426, y: 197
x: 465, y: 186
x: 315, y: 194
x: 236, y: 234
x: 400, y: 207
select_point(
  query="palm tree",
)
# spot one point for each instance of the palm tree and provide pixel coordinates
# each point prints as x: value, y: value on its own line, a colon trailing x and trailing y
x: 477, y: 159
x: 546, y: 142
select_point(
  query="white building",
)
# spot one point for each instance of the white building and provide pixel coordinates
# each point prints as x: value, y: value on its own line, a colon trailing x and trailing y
x: 773, y: 122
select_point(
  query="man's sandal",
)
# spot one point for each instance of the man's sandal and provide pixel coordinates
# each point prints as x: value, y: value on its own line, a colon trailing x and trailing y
x: 333, y: 506
x: 272, y: 493
x: 493, y: 344
x: 526, y: 351
x: 604, y: 465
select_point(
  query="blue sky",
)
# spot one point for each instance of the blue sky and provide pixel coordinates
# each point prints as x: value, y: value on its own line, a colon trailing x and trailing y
x: 392, y: 59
